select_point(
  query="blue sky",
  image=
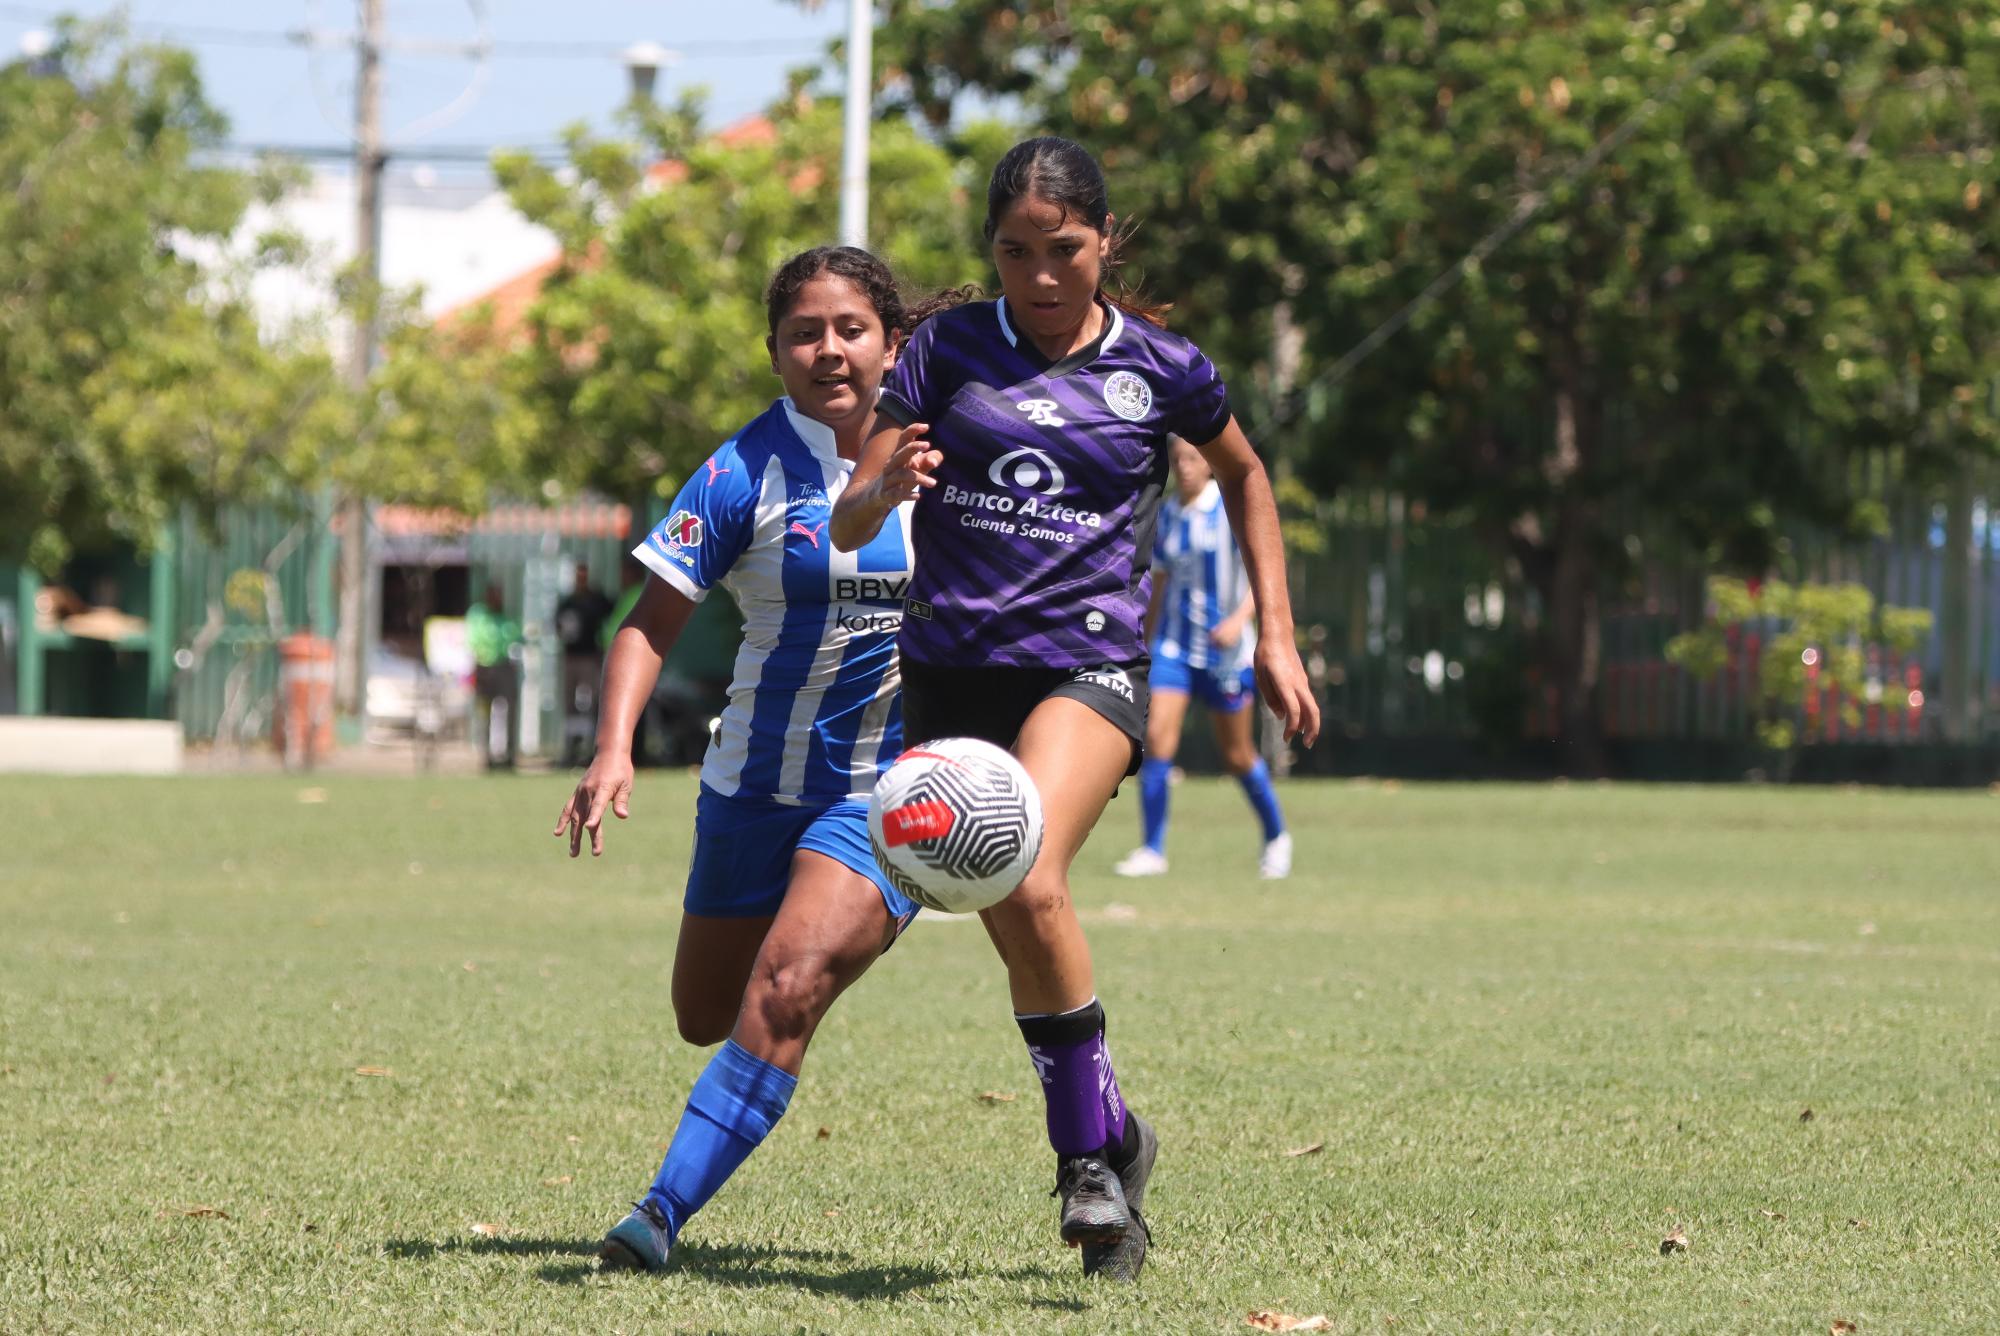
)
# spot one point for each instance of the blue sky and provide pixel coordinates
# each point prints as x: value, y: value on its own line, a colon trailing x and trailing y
x: 555, y: 63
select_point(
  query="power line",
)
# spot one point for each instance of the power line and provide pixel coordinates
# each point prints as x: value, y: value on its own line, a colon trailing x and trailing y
x: 509, y: 49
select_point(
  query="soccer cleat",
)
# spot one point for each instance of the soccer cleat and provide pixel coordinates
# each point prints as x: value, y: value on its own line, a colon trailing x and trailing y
x: 1122, y: 1260
x: 1276, y: 862
x: 1142, y: 862
x: 1093, y: 1201
x: 639, y: 1242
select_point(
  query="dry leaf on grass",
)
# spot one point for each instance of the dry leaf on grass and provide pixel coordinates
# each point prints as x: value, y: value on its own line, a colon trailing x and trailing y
x: 373, y: 1071
x: 558, y: 1182
x: 573, y: 1140
x: 1857, y: 1222
x: 997, y: 1096
x: 1842, y: 1327
x: 1313, y: 1149
x: 205, y: 1212
x: 829, y: 1214
x: 1771, y: 1215
x: 312, y: 795
x: 1674, y: 1242
x: 824, y: 1134
x: 1806, y: 1116
x: 312, y: 1228
x: 489, y: 1231
x: 1265, y: 1319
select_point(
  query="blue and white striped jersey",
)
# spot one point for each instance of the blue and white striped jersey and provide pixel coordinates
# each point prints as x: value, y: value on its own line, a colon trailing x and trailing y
x: 1196, y: 555
x: 813, y: 711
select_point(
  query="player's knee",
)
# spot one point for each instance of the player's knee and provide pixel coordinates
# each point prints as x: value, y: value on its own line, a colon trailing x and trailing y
x: 1041, y: 898
x: 789, y: 999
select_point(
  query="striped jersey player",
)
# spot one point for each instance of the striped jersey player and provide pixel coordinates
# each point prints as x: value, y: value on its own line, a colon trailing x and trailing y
x: 785, y: 906
x: 1203, y: 644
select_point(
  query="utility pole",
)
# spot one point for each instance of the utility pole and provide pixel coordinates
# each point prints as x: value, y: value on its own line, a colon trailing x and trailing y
x: 352, y: 639
x: 860, y: 102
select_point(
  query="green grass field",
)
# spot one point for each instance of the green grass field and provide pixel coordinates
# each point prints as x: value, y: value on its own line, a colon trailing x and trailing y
x: 1531, y: 1031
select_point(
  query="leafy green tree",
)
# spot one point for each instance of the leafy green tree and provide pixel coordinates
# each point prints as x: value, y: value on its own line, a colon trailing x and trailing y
x: 1723, y: 256
x: 645, y: 348
x: 133, y: 379
x: 1825, y: 641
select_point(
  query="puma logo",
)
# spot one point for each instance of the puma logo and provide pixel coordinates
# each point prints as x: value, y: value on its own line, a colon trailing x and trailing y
x: 811, y: 535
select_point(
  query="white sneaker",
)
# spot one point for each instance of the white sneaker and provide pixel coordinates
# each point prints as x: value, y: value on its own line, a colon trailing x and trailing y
x: 1277, y: 859
x: 1142, y: 862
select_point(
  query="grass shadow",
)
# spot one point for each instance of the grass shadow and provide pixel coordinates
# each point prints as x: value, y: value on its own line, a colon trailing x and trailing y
x: 419, y: 1250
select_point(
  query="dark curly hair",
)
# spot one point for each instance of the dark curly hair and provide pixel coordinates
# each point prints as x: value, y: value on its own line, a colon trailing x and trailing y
x: 866, y: 272
x: 1063, y: 173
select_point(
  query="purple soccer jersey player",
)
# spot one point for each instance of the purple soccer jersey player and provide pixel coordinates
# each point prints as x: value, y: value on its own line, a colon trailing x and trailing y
x: 1032, y: 433
x: 1034, y: 548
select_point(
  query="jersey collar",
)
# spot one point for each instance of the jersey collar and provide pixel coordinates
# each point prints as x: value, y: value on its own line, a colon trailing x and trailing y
x: 1114, y: 325
x: 816, y: 434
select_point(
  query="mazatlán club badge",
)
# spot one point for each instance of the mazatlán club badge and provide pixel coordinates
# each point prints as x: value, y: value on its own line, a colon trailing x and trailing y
x: 1128, y: 395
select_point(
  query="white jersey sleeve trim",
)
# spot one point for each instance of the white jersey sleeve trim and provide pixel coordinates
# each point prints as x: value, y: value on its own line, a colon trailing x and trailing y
x: 669, y: 572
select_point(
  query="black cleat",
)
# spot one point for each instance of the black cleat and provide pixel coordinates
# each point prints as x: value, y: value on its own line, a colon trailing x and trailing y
x: 1093, y: 1201
x: 1123, y: 1259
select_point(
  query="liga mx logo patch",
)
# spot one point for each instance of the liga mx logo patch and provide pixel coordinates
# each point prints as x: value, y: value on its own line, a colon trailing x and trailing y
x: 684, y: 527
x: 1128, y: 395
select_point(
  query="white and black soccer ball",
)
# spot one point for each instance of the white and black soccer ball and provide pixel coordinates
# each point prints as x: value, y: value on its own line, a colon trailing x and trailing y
x: 956, y: 824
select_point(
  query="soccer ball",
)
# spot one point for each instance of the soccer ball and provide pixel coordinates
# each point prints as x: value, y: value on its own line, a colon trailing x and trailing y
x: 956, y: 824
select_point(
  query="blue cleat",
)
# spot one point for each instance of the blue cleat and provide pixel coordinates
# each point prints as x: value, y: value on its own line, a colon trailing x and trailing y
x: 639, y: 1242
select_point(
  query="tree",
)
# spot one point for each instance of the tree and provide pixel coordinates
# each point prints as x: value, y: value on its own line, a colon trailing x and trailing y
x: 1784, y: 267
x: 133, y: 379
x: 645, y: 348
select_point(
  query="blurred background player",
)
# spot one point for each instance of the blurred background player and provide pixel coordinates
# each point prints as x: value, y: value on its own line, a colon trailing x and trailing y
x: 580, y: 618
x: 495, y: 640
x: 1199, y: 626
x: 1034, y: 430
x: 785, y: 906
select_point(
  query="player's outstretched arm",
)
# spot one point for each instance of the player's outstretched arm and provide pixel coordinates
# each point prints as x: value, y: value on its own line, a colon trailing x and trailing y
x: 1253, y: 516
x: 630, y: 670
x: 895, y: 466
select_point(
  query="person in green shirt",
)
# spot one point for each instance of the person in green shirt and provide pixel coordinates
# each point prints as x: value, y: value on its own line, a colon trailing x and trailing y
x: 495, y: 640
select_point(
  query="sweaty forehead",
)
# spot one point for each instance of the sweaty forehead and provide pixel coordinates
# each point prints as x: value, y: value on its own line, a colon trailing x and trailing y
x: 828, y: 297
x: 1032, y: 218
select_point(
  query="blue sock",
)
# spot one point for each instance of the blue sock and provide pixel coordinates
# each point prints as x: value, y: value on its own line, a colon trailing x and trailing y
x: 1153, y: 802
x: 733, y: 1106
x: 1256, y: 782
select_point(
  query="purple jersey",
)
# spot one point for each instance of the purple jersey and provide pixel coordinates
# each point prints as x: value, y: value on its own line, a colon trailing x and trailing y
x: 1034, y: 547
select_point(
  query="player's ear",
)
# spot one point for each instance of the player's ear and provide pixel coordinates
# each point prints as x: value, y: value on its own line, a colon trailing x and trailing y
x: 1104, y: 238
x: 771, y: 347
x: 890, y: 347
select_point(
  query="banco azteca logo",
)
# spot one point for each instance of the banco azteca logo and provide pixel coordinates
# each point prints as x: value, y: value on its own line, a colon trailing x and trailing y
x: 1028, y: 469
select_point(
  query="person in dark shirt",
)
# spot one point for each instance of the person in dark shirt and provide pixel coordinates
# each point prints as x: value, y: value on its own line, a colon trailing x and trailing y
x: 580, y: 618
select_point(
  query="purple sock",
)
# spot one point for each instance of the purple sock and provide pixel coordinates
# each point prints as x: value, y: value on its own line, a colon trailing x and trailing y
x: 1085, y: 1108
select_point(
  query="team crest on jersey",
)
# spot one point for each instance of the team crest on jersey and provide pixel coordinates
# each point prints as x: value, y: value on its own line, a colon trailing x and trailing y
x: 683, y: 527
x: 1128, y: 395
x: 1042, y: 412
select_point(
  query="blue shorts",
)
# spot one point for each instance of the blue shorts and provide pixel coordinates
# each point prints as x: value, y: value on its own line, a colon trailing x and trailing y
x: 743, y: 851
x: 1218, y: 689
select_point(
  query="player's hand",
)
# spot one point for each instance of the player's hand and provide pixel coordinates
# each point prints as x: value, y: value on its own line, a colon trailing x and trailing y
x: 1227, y: 632
x: 911, y: 467
x: 1281, y: 680
x: 607, y: 784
